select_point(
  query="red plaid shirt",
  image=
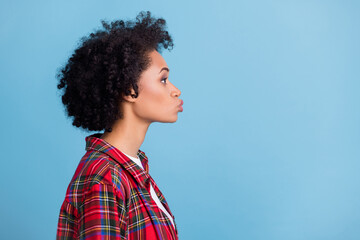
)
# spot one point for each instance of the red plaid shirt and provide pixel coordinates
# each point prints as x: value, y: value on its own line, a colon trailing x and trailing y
x: 109, y: 198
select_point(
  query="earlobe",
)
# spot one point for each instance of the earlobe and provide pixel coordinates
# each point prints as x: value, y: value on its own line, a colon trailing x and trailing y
x: 131, y: 97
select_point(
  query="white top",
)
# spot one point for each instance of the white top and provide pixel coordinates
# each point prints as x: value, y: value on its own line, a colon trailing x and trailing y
x: 152, y: 191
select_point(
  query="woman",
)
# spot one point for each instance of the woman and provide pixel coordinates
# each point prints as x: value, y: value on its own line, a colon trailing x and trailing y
x: 117, y: 82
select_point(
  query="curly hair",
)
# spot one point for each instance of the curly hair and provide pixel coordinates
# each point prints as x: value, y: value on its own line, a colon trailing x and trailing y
x: 106, y: 65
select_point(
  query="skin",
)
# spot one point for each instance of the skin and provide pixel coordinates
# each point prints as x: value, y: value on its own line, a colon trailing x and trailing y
x: 157, y: 101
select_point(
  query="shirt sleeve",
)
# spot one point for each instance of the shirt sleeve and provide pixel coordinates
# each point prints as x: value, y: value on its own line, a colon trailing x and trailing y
x: 102, y: 214
x: 67, y: 225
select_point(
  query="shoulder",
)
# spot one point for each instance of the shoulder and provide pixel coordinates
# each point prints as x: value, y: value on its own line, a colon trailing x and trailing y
x: 97, y: 168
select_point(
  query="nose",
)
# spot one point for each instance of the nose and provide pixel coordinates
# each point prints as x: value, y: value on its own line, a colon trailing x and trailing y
x: 176, y: 92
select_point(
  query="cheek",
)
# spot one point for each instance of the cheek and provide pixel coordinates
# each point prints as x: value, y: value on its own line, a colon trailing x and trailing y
x: 153, y: 95
x: 154, y: 99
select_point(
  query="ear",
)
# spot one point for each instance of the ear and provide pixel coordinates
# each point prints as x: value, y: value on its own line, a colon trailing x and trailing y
x: 131, y: 97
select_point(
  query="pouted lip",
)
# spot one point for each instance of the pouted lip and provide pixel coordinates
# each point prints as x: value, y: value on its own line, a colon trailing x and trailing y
x: 181, y: 103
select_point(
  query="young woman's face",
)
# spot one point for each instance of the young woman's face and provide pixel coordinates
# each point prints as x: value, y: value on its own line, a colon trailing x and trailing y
x: 158, y: 99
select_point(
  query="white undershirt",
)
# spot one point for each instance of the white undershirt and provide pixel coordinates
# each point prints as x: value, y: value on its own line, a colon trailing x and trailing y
x: 152, y: 191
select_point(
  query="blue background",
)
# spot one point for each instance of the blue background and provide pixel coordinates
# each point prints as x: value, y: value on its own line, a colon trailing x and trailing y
x: 268, y: 144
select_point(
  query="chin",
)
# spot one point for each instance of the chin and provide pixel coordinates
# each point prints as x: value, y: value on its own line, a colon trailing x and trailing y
x: 174, y: 119
x: 169, y: 120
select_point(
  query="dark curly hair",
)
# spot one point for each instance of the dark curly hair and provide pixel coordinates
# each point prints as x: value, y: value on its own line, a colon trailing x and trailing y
x: 106, y: 65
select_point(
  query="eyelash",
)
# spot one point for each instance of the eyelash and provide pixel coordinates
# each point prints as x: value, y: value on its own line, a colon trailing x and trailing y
x: 164, y: 79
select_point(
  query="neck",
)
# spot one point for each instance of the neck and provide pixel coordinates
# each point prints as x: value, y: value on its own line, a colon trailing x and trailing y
x: 127, y: 134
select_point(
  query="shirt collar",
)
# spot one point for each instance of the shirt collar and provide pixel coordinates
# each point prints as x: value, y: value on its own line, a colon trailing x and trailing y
x: 94, y: 142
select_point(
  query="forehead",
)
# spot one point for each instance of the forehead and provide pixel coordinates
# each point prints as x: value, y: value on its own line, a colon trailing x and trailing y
x: 157, y: 61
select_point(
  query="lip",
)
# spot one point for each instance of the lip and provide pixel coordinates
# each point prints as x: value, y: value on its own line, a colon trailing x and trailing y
x: 180, y: 105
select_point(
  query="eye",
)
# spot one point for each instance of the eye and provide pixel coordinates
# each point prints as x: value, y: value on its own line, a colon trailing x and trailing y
x: 164, y: 79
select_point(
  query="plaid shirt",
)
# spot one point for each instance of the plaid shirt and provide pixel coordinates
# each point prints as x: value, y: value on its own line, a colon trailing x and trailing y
x: 109, y: 198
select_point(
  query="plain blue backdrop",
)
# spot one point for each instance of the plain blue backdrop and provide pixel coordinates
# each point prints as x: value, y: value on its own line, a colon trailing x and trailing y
x: 268, y: 144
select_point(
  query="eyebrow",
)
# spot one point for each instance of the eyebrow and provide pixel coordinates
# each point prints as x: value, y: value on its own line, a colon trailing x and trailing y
x: 164, y: 68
